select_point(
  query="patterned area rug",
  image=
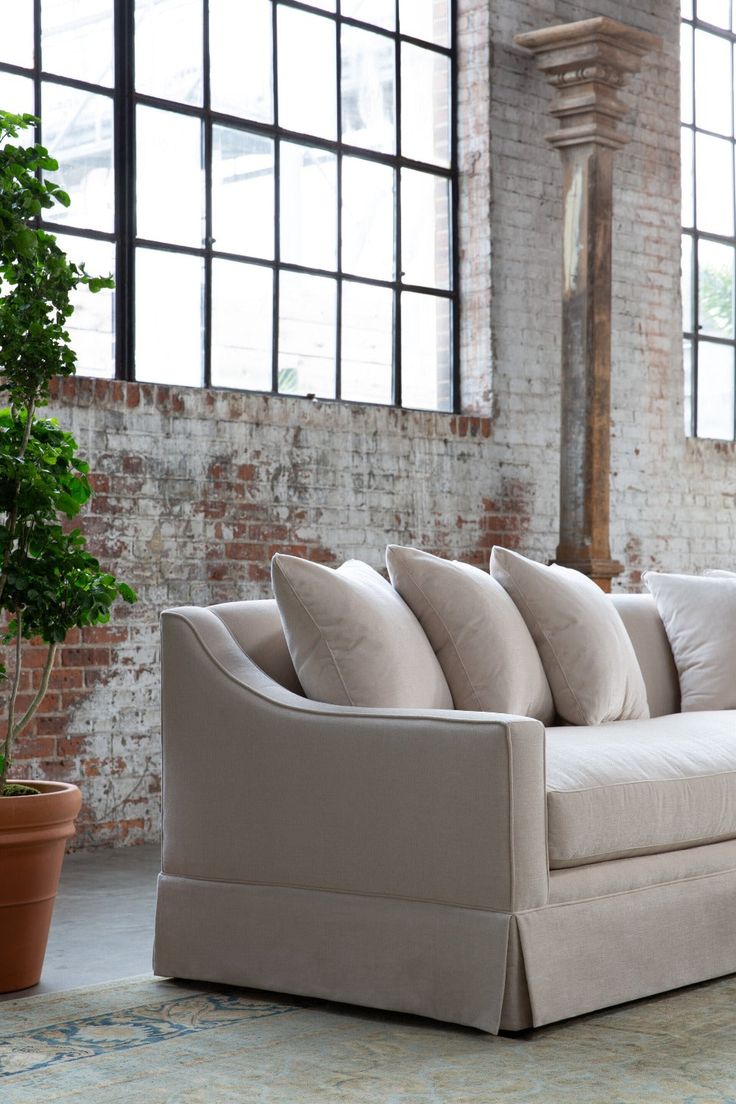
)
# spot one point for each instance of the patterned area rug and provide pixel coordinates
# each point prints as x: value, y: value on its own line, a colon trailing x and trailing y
x: 146, y: 1041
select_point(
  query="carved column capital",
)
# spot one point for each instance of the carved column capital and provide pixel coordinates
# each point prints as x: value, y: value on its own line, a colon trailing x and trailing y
x: 587, y: 64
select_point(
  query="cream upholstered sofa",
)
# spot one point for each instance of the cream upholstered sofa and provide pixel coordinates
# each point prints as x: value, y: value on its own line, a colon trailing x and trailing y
x: 469, y: 867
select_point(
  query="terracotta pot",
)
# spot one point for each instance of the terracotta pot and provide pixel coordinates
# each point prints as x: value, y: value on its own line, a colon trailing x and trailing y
x: 33, y: 834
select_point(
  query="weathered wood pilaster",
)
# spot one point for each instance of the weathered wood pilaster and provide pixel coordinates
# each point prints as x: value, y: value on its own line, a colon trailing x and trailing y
x: 587, y: 63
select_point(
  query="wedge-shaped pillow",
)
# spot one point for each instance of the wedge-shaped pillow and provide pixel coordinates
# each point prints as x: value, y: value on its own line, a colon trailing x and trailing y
x: 485, y: 649
x: 586, y: 652
x: 699, y: 615
x: 352, y: 640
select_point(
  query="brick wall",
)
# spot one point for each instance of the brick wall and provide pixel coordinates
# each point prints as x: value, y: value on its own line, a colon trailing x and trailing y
x: 196, y: 490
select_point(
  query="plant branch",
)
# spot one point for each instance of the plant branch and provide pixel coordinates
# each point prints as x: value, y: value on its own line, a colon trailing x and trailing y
x: 9, y: 734
x: 33, y: 707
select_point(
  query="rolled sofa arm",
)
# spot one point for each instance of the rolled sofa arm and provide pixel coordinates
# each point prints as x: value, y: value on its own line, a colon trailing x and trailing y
x: 266, y: 787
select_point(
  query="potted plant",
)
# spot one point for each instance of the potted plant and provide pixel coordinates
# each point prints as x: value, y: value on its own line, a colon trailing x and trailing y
x: 49, y: 582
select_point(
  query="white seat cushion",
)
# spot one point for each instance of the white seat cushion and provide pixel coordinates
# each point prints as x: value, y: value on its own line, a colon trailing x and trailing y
x: 639, y: 787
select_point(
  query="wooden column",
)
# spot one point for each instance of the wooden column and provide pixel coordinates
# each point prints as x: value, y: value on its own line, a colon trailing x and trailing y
x: 587, y: 63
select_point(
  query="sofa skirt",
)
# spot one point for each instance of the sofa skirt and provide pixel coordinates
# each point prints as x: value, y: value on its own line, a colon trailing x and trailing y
x: 488, y: 970
x: 401, y: 955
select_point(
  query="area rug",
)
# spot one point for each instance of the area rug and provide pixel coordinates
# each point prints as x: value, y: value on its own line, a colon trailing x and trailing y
x: 152, y: 1041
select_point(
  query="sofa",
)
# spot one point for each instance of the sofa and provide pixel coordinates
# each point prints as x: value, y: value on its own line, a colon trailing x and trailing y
x: 470, y: 867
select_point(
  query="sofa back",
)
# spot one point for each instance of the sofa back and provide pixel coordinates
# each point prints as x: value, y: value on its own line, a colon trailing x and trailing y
x: 257, y: 628
x: 644, y: 626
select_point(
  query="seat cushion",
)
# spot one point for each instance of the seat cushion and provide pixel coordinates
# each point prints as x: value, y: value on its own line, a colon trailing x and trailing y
x: 639, y: 787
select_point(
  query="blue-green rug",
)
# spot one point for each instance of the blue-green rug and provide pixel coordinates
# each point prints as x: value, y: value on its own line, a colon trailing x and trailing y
x: 147, y: 1041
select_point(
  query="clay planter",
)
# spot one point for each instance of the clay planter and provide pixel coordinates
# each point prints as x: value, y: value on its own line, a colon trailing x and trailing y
x: 33, y: 832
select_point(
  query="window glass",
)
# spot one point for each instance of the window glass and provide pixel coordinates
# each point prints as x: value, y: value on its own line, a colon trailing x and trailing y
x: 16, y: 41
x: 425, y: 351
x: 168, y: 331
x: 308, y: 206
x: 170, y: 205
x: 381, y: 13
x: 427, y: 19
x: 16, y: 93
x: 715, y: 288
x: 307, y: 315
x: 307, y: 73
x: 367, y: 76
x: 367, y: 218
x: 425, y: 114
x: 425, y: 229
x: 77, y: 127
x: 92, y: 326
x: 242, y: 192
x: 168, y: 49
x: 77, y: 39
x: 367, y: 343
x: 241, y: 62
x: 716, y: 12
x: 242, y: 321
x: 715, y: 390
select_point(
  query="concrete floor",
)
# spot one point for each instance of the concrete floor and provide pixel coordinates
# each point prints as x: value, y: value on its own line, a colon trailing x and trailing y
x: 103, y: 920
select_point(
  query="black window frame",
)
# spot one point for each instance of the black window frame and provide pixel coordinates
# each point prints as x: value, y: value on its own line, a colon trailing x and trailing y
x: 694, y: 335
x: 125, y: 102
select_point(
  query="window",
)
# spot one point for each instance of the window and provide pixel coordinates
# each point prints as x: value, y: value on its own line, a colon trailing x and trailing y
x: 272, y: 183
x: 708, y: 209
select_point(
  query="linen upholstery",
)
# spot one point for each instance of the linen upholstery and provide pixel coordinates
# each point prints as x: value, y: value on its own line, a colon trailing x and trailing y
x: 352, y: 639
x: 699, y: 615
x: 654, y: 655
x: 586, y: 652
x: 252, y: 805
x: 640, y: 786
x: 485, y: 650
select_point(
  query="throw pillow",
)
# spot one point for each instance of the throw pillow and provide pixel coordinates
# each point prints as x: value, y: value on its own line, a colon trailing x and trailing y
x: 352, y: 640
x: 585, y: 649
x: 484, y: 648
x: 699, y: 615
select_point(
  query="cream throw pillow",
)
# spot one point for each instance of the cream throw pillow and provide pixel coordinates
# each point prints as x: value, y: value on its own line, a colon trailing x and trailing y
x: 699, y: 615
x: 585, y: 649
x: 351, y: 638
x: 485, y: 650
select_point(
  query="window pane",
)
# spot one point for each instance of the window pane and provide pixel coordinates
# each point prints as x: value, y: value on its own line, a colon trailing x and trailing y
x: 712, y: 76
x: 425, y: 229
x: 367, y: 218
x: 425, y: 113
x: 308, y: 222
x: 687, y: 283
x: 241, y: 59
x: 687, y: 170
x: 367, y: 343
x: 77, y: 129
x: 16, y: 41
x: 325, y: 5
x: 686, y: 9
x: 687, y: 363
x: 714, y: 169
x: 427, y: 19
x: 686, y: 73
x: 242, y: 315
x: 16, y: 95
x: 307, y: 50
x: 425, y: 352
x: 306, y: 335
x: 170, y: 203
x: 715, y: 288
x: 92, y: 326
x: 715, y: 391
x: 381, y: 13
x: 168, y: 326
x: 168, y: 49
x: 716, y: 12
x: 367, y: 78
x: 76, y: 39
x: 242, y: 192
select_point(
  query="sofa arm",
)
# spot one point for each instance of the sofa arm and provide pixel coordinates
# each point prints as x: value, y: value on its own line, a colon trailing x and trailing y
x: 264, y: 786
